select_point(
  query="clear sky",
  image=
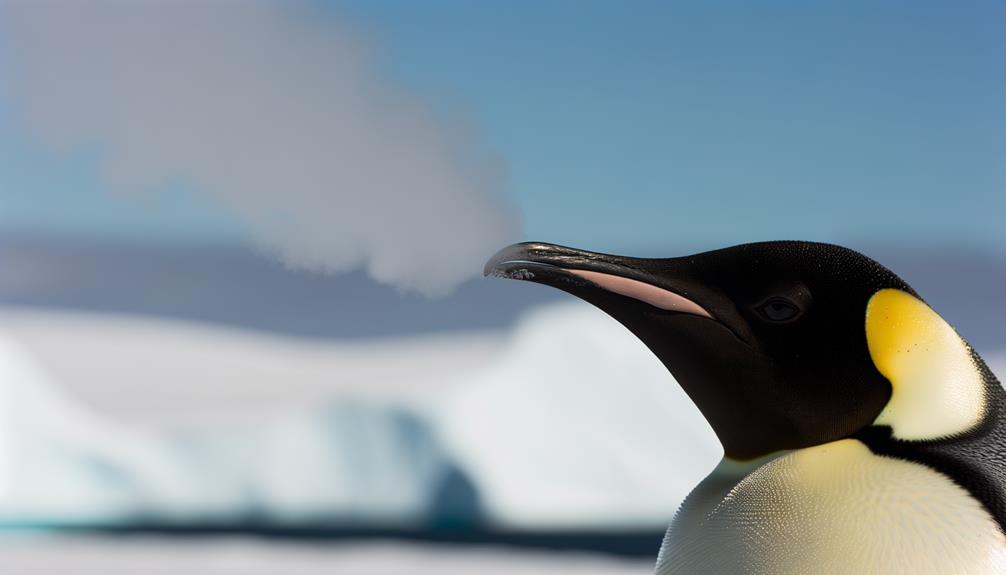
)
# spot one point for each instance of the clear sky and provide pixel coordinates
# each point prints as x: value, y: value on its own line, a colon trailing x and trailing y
x: 635, y: 125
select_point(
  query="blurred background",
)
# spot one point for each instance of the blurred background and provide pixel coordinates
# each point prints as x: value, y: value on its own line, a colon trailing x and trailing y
x: 242, y: 328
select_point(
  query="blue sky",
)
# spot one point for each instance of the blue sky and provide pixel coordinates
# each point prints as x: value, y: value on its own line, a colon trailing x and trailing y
x: 635, y: 125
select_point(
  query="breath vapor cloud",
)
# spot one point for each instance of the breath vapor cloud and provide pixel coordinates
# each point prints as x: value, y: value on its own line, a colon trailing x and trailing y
x: 278, y: 111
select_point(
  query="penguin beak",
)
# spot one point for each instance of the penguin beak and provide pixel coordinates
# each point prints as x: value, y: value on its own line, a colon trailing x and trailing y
x: 676, y: 309
x: 594, y: 277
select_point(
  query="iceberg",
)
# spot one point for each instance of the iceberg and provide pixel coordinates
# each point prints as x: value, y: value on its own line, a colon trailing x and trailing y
x: 564, y: 422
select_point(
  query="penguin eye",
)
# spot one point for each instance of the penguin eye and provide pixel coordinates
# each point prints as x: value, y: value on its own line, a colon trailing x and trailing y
x: 778, y: 309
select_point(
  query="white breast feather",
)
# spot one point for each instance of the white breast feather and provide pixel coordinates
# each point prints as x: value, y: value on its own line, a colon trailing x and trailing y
x: 830, y: 509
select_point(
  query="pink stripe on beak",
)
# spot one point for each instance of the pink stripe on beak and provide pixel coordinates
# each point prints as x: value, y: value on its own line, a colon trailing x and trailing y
x: 644, y: 292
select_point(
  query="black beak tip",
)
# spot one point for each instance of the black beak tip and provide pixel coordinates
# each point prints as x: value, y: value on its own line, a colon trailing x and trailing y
x: 503, y: 262
x: 493, y: 263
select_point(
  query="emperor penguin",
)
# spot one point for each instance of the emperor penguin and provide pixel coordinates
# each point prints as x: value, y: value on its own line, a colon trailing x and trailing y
x: 861, y: 434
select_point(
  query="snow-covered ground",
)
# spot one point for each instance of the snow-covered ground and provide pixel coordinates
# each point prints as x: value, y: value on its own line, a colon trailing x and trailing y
x: 94, y: 556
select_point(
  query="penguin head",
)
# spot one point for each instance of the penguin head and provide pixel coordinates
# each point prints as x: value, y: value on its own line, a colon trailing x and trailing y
x: 781, y: 345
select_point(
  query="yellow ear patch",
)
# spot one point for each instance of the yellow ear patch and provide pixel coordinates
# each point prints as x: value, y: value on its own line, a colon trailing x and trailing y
x: 937, y: 389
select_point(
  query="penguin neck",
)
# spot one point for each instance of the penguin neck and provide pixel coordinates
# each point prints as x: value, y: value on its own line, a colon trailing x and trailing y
x: 731, y: 468
x: 716, y: 487
x: 975, y: 458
